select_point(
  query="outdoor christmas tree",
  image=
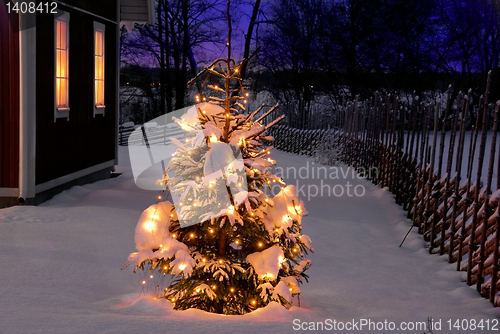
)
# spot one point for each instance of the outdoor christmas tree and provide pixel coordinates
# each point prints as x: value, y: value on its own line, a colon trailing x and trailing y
x: 228, y: 246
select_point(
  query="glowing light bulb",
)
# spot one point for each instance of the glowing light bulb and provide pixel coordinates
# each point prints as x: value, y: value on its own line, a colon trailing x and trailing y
x: 237, y: 242
x: 143, y: 282
x: 182, y: 266
x: 191, y: 235
x: 194, y: 204
x: 220, y: 261
x: 187, y: 140
x: 173, y: 235
x: 213, y: 287
x: 227, y: 115
x: 266, y: 200
x: 149, y: 226
x: 231, y: 209
x: 260, y: 244
x: 161, y: 245
x: 173, y: 299
x: 211, y: 231
x: 159, y: 197
x: 254, y: 302
x: 244, y: 101
x: 232, y: 289
x: 251, y: 213
x: 151, y: 276
x: 239, y: 184
x: 246, y: 94
x: 171, y: 215
x: 204, y: 260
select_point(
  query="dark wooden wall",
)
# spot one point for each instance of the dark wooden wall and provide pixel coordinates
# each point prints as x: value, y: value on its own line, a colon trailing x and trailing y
x: 64, y: 147
x: 9, y: 100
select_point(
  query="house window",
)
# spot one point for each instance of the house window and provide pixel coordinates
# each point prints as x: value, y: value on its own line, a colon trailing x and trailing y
x: 99, y: 51
x: 61, y: 55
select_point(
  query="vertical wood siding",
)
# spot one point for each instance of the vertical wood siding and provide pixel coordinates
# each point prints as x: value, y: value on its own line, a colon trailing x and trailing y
x: 9, y: 100
x: 64, y: 147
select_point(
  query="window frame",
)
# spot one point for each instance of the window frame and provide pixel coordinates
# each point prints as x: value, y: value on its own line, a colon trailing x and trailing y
x: 61, y: 112
x: 99, y: 109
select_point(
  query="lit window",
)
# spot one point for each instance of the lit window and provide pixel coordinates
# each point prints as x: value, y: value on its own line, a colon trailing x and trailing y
x: 61, y: 67
x: 99, y: 30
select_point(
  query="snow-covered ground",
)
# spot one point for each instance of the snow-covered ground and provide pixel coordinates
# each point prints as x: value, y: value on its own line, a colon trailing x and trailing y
x: 61, y: 267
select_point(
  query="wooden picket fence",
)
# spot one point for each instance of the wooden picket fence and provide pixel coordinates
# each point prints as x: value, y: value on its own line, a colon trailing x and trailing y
x: 455, y: 208
x: 157, y: 135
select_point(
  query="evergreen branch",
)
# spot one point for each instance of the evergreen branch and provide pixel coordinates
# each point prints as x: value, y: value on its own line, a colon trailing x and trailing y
x: 268, y: 112
x: 207, y: 68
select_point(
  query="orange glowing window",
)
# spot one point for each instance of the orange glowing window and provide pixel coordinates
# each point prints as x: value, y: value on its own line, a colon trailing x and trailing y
x: 98, y: 68
x: 62, y: 75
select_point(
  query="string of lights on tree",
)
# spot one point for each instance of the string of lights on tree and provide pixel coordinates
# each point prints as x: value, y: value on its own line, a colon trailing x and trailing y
x: 245, y: 255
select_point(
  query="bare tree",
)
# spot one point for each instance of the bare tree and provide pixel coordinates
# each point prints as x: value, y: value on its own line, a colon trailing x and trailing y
x: 183, y: 29
x: 291, y: 49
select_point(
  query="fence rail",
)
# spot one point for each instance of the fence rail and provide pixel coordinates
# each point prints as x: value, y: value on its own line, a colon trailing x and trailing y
x: 441, y: 162
x: 157, y: 135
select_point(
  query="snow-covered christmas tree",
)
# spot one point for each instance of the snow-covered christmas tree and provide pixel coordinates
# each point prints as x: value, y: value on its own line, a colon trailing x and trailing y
x: 228, y: 246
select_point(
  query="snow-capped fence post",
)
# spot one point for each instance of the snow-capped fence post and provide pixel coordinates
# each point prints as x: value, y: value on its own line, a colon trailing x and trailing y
x: 495, y: 265
x: 486, y: 205
x: 414, y: 163
x: 385, y: 158
x: 372, y: 137
x: 467, y: 200
x: 418, y: 199
x: 377, y: 162
x: 496, y: 218
x: 404, y: 169
x: 392, y: 146
x: 429, y: 186
x: 472, y: 243
x: 458, y: 177
x: 410, y: 157
x: 439, y: 191
x: 402, y: 153
x: 451, y: 151
x: 354, y: 132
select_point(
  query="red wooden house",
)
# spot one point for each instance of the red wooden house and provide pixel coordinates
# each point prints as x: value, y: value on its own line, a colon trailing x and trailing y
x: 59, y: 95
